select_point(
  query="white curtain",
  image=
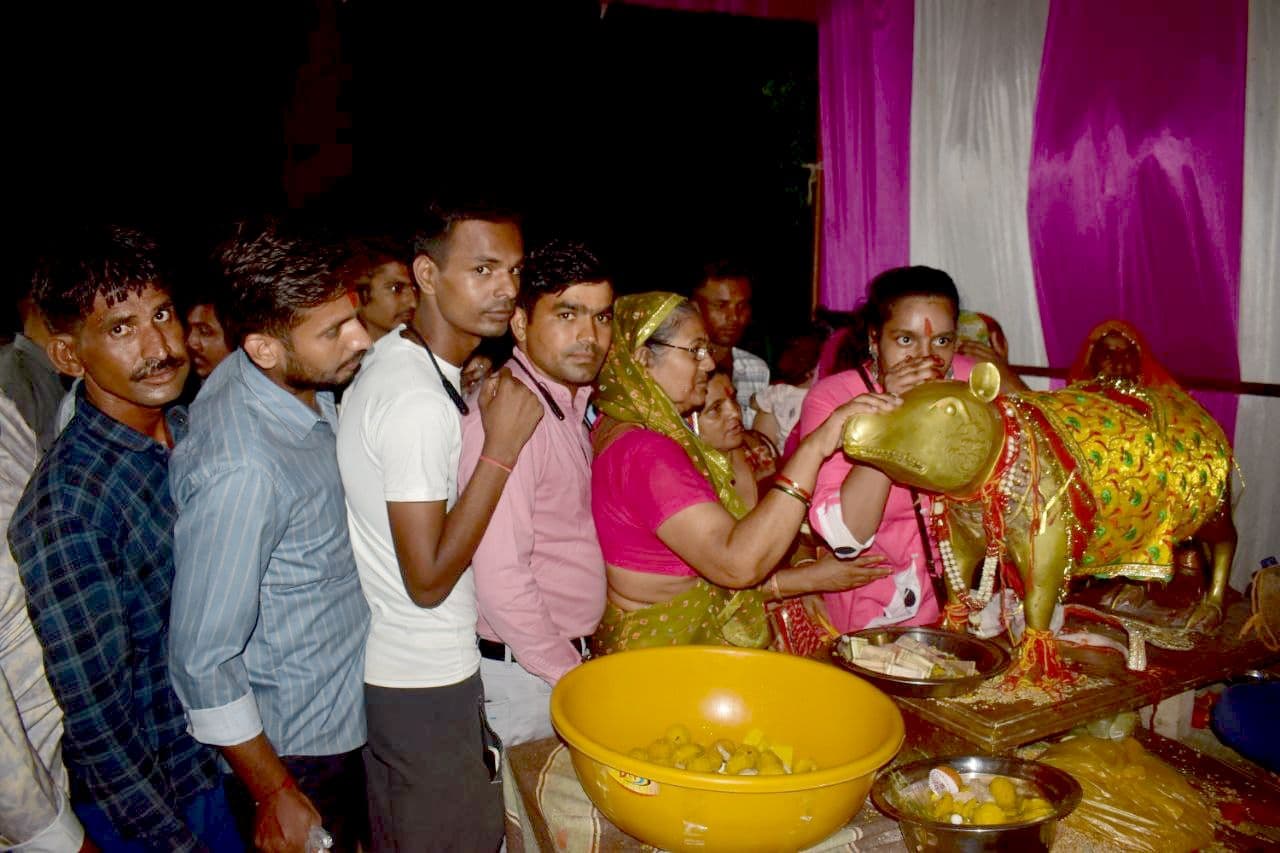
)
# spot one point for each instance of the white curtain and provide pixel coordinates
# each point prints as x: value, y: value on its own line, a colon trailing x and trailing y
x: 976, y: 69
x: 1258, y: 425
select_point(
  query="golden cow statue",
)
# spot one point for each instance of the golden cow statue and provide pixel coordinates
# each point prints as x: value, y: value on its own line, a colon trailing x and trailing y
x: 1095, y: 479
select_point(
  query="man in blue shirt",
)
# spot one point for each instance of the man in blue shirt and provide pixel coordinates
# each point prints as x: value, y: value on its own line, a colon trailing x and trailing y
x: 269, y: 622
x: 93, y: 537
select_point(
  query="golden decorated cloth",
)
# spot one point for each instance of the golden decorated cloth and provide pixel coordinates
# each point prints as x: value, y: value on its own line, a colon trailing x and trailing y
x: 1147, y: 467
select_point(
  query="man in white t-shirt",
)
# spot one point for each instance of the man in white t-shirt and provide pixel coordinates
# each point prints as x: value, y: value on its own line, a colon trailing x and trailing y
x: 432, y: 782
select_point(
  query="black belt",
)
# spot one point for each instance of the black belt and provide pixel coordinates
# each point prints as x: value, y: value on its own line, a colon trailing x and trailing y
x: 493, y: 650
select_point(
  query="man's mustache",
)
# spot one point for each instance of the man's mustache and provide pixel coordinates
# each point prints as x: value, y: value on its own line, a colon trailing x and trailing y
x: 152, y: 366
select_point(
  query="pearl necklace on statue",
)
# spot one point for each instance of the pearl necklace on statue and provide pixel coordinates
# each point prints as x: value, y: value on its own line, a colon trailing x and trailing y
x: 986, y: 582
x: 1012, y: 482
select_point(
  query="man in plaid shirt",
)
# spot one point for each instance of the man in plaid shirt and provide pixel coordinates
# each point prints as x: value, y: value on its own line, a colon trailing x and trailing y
x: 93, y: 537
x: 723, y: 297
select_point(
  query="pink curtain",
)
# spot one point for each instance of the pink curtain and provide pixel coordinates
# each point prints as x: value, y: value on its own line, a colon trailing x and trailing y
x: 864, y: 87
x: 1135, y: 186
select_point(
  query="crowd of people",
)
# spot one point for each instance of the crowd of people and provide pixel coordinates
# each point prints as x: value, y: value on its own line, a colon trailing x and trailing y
x: 324, y: 582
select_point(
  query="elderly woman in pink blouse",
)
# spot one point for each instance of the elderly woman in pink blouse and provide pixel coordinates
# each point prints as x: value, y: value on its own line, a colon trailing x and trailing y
x: 686, y: 561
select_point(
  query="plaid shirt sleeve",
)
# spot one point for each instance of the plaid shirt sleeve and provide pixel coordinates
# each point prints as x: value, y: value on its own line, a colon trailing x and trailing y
x: 751, y: 376
x: 79, y: 617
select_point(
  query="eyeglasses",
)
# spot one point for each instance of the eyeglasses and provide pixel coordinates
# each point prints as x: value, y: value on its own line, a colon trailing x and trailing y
x: 699, y: 352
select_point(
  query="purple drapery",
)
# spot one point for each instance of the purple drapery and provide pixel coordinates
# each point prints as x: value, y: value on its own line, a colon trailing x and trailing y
x: 1135, y: 188
x: 864, y: 86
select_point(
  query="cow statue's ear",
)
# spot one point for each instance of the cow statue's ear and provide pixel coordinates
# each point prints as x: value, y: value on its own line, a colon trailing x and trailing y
x: 984, y: 381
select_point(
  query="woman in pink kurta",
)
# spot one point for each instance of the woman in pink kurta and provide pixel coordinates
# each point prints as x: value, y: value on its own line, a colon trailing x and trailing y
x: 909, y: 337
x: 905, y: 597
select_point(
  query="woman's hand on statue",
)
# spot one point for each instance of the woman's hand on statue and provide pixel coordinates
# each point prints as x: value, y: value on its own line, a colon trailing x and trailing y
x: 981, y: 352
x: 828, y: 574
x: 978, y: 352
x: 830, y: 435
x: 910, y: 372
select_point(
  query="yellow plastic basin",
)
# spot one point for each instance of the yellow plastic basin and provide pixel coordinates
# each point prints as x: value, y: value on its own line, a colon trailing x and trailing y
x: 607, y: 706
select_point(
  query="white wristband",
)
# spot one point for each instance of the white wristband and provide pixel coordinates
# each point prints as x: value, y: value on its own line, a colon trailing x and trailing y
x: 829, y: 524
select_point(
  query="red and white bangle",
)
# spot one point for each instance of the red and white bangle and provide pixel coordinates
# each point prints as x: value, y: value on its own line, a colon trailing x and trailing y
x: 790, y: 483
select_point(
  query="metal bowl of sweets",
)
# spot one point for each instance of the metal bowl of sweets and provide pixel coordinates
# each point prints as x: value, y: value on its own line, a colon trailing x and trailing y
x: 920, y: 662
x: 976, y: 803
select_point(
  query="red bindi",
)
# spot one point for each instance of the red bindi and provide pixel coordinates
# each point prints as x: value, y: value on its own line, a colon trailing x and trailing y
x: 928, y: 328
x: 355, y: 300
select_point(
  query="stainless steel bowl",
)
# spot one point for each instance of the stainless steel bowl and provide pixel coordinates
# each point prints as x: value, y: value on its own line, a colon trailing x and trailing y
x: 990, y: 659
x: 921, y: 834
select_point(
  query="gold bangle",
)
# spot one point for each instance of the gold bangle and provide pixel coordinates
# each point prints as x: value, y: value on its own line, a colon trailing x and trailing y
x: 787, y: 490
x: 773, y: 582
x: 787, y: 481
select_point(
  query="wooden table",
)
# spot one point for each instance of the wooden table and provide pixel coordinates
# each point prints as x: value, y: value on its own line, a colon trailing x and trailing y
x: 940, y: 726
x: 1247, y: 804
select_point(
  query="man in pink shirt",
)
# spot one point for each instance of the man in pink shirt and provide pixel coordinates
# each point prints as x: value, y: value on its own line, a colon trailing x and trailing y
x: 539, y: 573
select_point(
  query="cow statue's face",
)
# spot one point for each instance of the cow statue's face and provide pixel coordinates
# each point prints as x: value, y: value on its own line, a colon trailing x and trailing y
x: 944, y: 438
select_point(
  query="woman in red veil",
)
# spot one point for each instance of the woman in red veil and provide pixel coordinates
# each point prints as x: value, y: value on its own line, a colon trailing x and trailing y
x: 1116, y: 352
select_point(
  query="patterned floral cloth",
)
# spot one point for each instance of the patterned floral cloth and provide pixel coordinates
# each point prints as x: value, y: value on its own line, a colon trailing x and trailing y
x: 705, y: 615
x: 1155, y: 465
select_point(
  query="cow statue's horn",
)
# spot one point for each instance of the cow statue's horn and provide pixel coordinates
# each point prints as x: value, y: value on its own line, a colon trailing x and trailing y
x: 984, y: 381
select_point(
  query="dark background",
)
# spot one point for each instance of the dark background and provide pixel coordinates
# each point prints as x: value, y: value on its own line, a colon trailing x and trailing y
x: 664, y: 139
